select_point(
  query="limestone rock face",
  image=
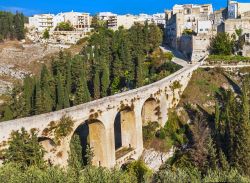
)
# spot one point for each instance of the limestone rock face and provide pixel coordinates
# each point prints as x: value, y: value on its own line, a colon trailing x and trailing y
x: 154, y: 159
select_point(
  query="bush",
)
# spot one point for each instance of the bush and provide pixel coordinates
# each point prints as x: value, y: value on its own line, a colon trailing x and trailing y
x: 64, y: 127
x: 11, y: 173
x: 150, y: 130
x: 222, y: 44
x: 140, y: 169
x: 64, y: 26
x: 24, y: 149
x: 161, y: 134
x: 46, y: 34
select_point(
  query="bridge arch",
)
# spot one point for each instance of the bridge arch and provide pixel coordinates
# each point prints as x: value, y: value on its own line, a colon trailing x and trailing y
x: 92, y: 133
x: 125, y: 129
x: 150, y: 111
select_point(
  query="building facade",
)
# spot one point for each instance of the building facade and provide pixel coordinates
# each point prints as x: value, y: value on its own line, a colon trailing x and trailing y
x: 80, y: 21
x: 42, y: 21
x: 189, y: 29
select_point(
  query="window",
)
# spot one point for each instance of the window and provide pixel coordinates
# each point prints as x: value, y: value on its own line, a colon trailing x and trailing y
x: 206, y: 29
x: 201, y: 30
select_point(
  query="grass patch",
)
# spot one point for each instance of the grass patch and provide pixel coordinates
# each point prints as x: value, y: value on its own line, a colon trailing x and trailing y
x: 163, y: 139
x: 203, y: 86
x: 227, y: 58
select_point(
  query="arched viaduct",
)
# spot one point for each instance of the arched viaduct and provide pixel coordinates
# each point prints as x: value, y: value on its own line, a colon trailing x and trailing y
x: 131, y: 109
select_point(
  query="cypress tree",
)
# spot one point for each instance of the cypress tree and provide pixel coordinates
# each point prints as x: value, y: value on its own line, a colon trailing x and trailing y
x: 59, y: 92
x: 28, y: 91
x: 96, y: 85
x: 38, y: 99
x: 212, y: 155
x: 7, y: 114
x: 217, y: 117
x: 242, y: 138
x: 82, y: 91
x: 66, y: 103
x: 105, y: 82
x: 223, y: 163
x: 68, y: 77
x: 19, y: 26
x: 75, y: 156
x: 139, y: 71
x: 47, y: 101
x: 86, y: 96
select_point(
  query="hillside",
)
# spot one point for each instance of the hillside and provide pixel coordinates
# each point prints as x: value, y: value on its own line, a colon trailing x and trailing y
x: 18, y: 59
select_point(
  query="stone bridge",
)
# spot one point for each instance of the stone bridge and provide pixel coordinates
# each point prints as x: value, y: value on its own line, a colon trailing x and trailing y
x: 107, y: 138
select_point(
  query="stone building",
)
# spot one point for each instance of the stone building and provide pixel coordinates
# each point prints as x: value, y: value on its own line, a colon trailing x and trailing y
x: 237, y: 9
x: 189, y: 29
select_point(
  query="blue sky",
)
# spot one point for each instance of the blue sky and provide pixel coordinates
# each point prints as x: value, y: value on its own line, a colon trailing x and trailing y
x: 30, y: 7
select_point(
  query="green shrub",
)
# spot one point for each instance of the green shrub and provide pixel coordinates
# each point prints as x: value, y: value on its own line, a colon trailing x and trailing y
x: 64, y: 127
x: 24, y: 149
x: 161, y: 134
x: 46, y: 34
x: 227, y: 58
x: 64, y: 26
x: 150, y: 130
x: 140, y: 169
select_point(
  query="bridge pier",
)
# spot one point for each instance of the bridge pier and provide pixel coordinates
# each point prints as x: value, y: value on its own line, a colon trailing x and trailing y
x: 100, y: 116
x: 164, y: 106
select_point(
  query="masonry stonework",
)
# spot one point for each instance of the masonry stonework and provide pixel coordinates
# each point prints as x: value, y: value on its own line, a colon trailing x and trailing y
x: 100, y: 116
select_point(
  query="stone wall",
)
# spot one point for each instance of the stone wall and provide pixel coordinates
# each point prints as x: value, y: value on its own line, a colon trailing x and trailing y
x: 195, y: 48
x: 101, y: 114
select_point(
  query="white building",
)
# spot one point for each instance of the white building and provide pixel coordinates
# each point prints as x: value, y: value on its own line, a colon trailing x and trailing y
x: 204, y: 27
x: 42, y: 21
x: 80, y: 21
x: 159, y: 19
x: 111, y: 19
x: 115, y: 21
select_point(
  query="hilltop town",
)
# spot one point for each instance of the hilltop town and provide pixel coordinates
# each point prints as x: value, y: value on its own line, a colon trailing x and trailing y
x: 188, y: 28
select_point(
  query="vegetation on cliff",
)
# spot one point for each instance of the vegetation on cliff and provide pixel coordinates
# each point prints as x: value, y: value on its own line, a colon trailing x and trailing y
x: 110, y: 63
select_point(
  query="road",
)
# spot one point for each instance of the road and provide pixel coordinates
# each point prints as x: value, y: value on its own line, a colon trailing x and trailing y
x: 178, y: 57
